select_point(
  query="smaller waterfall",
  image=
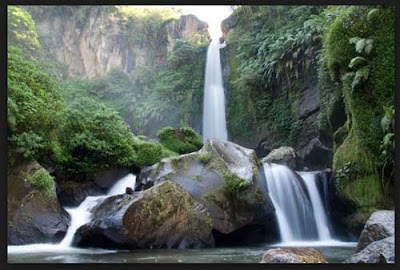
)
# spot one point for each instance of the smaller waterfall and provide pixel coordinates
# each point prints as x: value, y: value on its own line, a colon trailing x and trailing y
x: 82, y: 215
x: 292, y: 206
x: 79, y: 216
x: 320, y: 216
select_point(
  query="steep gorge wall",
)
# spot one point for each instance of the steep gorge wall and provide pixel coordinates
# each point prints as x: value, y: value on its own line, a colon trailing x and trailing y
x: 90, y: 41
x: 313, y: 145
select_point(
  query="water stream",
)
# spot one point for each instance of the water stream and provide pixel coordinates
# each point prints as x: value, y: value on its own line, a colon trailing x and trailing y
x: 214, y: 119
x: 79, y: 216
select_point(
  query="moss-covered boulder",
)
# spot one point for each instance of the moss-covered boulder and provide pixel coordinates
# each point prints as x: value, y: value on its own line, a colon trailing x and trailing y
x: 183, y: 140
x: 33, y: 211
x: 224, y: 177
x: 164, y: 216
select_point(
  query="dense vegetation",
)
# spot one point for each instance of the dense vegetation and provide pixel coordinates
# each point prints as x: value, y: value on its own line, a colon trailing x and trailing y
x: 76, y: 127
x: 275, y: 52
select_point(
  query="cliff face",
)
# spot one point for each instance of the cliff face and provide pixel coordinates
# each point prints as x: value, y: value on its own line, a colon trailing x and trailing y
x: 313, y: 146
x: 92, y: 40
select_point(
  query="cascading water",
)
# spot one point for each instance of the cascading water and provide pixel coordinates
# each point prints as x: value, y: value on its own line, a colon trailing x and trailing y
x: 299, y: 206
x: 320, y: 216
x: 214, y: 120
x: 292, y: 206
x: 79, y: 216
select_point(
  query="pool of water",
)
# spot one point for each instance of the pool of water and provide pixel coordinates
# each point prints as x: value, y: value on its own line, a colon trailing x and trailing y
x: 44, y: 254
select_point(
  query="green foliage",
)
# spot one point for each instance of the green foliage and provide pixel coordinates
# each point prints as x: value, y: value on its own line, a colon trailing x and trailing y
x: 148, y: 153
x: 93, y: 137
x: 234, y: 185
x: 42, y: 180
x: 205, y: 158
x: 183, y: 140
x: 21, y: 29
x: 34, y: 106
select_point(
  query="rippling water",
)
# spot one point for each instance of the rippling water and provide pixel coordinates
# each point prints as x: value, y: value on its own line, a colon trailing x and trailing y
x: 333, y: 254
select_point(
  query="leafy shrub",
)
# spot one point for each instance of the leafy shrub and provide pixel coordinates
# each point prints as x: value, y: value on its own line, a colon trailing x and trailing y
x: 148, y: 153
x: 34, y: 106
x: 21, y: 29
x: 94, y: 137
x: 182, y: 141
x: 41, y: 180
x: 234, y: 184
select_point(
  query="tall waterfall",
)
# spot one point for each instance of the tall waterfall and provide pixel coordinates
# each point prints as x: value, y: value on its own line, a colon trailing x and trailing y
x: 214, y: 120
x: 298, y: 204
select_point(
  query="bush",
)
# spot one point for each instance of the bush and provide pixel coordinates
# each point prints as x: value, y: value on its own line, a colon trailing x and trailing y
x: 182, y: 141
x: 94, y: 137
x: 42, y: 180
x: 234, y: 184
x: 148, y: 153
x: 34, y: 106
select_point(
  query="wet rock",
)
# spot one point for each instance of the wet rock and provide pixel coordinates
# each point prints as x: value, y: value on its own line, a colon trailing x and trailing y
x: 210, y: 175
x: 380, y: 225
x: 108, y: 177
x: 71, y: 193
x: 129, y: 190
x: 293, y: 255
x: 283, y: 155
x: 381, y: 251
x: 34, y: 213
x: 164, y: 216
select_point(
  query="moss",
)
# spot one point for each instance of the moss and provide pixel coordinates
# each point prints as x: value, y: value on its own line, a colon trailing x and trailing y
x: 205, y: 158
x: 42, y: 180
x: 234, y: 184
x: 364, y: 104
x: 183, y: 140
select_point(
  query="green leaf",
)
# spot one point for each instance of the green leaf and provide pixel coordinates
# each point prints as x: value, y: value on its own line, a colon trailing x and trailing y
x: 369, y: 45
x: 357, y: 61
x: 360, y: 45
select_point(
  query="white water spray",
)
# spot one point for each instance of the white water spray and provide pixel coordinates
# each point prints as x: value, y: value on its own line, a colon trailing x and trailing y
x: 79, y: 216
x: 214, y: 119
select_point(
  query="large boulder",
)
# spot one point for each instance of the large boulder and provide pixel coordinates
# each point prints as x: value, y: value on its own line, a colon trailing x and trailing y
x: 224, y: 177
x: 381, y: 251
x: 33, y: 211
x: 283, y: 155
x: 380, y: 225
x: 164, y: 216
x: 293, y: 255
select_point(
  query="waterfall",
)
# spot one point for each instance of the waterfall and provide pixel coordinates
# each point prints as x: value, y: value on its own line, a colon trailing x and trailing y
x: 79, y: 216
x: 320, y: 216
x: 292, y: 206
x: 82, y: 215
x: 214, y: 120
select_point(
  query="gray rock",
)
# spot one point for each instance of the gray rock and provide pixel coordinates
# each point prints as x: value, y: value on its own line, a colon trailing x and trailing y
x: 108, y: 177
x: 204, y: 175
x: 381, y: 251
x: 293, y: 255
x: 71, y: 193
x: 34, y: 214
x: 164, y: 216
x: 380, y: 225
x: 283, y: 155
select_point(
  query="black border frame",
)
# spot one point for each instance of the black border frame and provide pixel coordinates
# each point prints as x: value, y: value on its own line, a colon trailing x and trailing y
x: 3, y: 126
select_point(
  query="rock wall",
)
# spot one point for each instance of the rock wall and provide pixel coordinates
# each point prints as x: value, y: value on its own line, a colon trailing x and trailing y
x: 314, y: 148
x: 92, y: 40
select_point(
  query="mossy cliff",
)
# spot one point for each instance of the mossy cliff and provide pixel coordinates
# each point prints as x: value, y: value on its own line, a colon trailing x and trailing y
x: 318, y: 83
